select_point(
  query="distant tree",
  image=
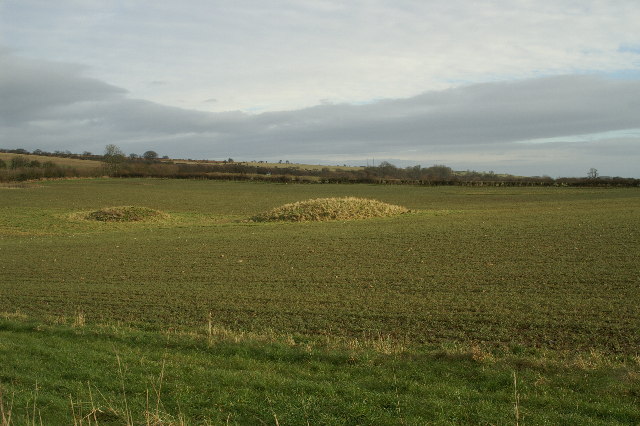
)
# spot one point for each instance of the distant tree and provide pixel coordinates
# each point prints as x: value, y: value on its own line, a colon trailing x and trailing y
x: 37, y: 152
x: 112, y: 158
x: 414, y: 172
x: 387, y: 169
x: 150, y: 155
x: 439, y: 171
x: 133, y: 156
x: 230, y: 160
x: 593, y: 173
x: 86, y: 153
x: 112, y: 150
x: 165, y: 157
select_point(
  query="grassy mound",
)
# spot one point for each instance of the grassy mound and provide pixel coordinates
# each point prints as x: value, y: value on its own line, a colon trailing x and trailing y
x: 323, y: 209
x: 125, y: 214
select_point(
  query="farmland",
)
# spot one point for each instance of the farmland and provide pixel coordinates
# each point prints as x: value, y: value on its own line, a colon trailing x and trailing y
x: 549, y: 275
x: 61, y: 161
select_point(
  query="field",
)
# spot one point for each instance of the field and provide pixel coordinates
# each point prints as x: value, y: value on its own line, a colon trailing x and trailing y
x: 479, y: 302
x: 61, y: 161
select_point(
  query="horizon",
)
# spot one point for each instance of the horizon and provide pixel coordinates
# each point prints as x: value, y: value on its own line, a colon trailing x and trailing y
x: 366, y: 163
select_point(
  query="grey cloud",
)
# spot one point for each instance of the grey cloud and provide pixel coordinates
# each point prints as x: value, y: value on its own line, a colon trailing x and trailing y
x: 483, y: 113
x: 53, y: 106
x: 30, y: 88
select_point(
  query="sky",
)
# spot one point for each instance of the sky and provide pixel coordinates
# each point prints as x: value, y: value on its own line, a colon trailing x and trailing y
x: 544, y: 87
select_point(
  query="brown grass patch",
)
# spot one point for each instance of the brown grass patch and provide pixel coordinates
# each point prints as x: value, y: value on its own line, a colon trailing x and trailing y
x: 325, y: 209
x: 124, y: 214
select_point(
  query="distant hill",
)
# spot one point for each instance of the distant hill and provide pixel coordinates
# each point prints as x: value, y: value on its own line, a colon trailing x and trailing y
x: 58, y: 161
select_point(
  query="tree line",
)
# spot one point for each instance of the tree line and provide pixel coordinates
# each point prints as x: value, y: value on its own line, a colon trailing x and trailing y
x: 116, y: 163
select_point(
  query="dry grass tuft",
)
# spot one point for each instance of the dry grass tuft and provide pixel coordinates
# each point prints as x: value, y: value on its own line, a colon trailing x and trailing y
x: 324, y: 209
x: 125, y: 214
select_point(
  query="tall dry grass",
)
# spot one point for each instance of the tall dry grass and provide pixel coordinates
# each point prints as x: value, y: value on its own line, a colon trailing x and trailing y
x: 324, y: 209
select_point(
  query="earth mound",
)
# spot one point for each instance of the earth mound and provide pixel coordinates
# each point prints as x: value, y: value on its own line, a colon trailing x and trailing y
x: 125, y: 214
x: 325, y: 209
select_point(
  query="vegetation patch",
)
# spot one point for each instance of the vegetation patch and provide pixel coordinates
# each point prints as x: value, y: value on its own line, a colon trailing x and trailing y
x: 323, y: 209
x: 125, y: 214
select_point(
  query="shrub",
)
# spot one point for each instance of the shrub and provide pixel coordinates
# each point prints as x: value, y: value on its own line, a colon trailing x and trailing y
x: 323, y: 209
x: 18, y: 161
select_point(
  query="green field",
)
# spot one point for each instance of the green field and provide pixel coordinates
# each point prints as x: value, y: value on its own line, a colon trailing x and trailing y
x: 423, y: 317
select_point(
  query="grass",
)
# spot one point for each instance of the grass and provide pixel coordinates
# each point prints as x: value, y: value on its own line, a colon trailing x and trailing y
x: 323, y: 209
x: 243, y: 379
x: 429, y: 314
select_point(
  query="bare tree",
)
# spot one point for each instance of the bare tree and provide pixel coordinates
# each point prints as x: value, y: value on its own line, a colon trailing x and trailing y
x: 112, y: 158
x: 593, y: 173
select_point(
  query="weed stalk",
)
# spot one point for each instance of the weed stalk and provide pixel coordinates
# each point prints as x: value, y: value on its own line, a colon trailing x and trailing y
x: 5, y: 413
x: 516, y: 399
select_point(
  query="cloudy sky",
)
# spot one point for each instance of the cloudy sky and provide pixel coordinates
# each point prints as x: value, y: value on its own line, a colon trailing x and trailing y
x: 517, y: 86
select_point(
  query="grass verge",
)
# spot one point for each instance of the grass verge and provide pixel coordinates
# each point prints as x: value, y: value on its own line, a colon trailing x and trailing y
x: 88, y: 374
